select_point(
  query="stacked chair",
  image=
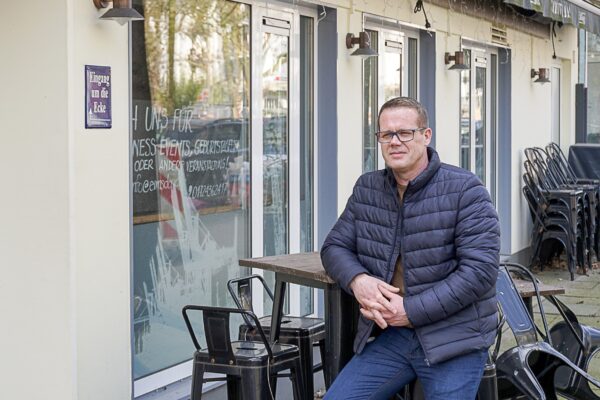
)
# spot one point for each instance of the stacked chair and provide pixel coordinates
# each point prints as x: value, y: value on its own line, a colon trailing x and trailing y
x: 563, y: 211
x: 558, y: 162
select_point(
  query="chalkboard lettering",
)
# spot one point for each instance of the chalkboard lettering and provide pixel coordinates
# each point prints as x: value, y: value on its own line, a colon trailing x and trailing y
x: 202, y: 160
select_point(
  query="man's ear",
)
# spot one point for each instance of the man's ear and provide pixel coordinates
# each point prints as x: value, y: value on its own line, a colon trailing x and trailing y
x: 428, y: 133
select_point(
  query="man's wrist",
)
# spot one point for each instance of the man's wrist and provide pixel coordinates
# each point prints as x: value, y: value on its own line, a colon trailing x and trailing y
x: 354, y: 280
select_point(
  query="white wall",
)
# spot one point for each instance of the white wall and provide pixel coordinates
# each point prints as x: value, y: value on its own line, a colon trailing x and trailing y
x: 100, y: 212
x: 36, y: 288
x: 65, y: 287
x: 349, y: 113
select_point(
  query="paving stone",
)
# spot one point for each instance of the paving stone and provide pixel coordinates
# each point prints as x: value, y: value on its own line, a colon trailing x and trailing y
x: 586, y: 310
x: 580, y: 300
x: 583, y: 284
x: 574, y: 292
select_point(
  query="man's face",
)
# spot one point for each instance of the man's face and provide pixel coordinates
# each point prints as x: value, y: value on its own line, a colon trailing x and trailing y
x: 408, y: 158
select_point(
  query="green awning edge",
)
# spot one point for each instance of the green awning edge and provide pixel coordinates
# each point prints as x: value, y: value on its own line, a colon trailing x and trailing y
x: 564, y: 11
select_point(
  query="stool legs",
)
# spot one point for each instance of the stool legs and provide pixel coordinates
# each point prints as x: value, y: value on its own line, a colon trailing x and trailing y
x: 233, y: 388
x: 306, y: 361
x: 298, y: 384
x: 255, y: 382
x: 197, y: 376
x: 323, y: 352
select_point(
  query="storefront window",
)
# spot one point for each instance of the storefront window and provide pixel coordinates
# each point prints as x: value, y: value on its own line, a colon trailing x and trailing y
x: 190, y: 167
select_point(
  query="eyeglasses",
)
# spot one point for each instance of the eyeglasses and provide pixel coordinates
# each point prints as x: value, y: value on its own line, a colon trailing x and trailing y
x: 403, y: 135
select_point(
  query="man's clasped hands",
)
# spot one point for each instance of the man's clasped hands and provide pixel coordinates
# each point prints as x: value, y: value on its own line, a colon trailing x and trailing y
x: 379, y: 301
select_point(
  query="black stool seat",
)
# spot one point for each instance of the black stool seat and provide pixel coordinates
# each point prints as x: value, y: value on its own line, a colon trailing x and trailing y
x: 250, y: 354
x: 294, y: 327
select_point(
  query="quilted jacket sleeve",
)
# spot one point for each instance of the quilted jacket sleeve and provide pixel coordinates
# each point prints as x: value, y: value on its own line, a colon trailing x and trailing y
x: 338, y: 253
x: 477, y: 244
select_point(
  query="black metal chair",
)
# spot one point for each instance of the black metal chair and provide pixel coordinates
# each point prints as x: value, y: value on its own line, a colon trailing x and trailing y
x: 250, y: 367
x: 531, y: 366
x: 579, y: 343
x: 304, y: 332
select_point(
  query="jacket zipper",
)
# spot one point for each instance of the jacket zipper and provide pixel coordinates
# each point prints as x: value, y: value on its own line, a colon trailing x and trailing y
x: 391, y: 264
x: 401, y: 223
x: 394, y: 260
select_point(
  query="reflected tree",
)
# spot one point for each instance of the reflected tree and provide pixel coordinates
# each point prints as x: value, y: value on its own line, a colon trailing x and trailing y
x: 198, y: 50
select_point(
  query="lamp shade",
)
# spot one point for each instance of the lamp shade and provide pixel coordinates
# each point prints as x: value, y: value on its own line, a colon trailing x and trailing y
x: 121, y: 12
x: 122, y: 15
x: 364, y: 52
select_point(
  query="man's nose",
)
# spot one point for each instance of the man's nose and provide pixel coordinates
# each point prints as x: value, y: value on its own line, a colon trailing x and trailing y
x: 396, y: 140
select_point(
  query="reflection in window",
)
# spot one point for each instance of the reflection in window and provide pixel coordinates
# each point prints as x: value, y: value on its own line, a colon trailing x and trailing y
x: 411, y: 69
x: 593, y: 88
x: 275, y: 143
x: 370, y: 108
x: 190, y: 167
x: 306, y: 150
x: 391, y: 65
x: 275, y: 151
x: 465, y: 114
x: 479, y: 119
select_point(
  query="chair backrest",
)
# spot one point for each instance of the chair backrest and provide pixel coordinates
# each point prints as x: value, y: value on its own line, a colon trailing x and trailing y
x: 517, y: 316
x: 556, y: 154
x: 241, y: 292
x: 216, y: 329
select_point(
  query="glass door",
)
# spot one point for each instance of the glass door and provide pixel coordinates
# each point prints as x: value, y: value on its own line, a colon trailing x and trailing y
x: 275, y: 134
x: 282, y: 154
x: 477, y: 117
x: 272, y: 36
x: 391, y: 74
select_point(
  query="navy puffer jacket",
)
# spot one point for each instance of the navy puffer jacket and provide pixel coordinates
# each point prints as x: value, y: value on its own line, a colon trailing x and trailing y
x: 448, y: 236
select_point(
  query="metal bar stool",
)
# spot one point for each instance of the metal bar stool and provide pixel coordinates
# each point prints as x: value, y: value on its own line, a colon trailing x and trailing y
x: 304, y: 332
x: 253, y: 364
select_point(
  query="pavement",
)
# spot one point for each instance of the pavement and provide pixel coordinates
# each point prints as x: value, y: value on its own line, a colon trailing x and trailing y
x: 582, y: 295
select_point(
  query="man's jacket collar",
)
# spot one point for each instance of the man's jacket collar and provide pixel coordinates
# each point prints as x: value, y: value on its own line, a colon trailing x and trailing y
x: 421, y: 179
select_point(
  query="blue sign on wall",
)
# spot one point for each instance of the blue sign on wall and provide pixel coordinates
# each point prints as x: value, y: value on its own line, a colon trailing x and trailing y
x: 97, y: 97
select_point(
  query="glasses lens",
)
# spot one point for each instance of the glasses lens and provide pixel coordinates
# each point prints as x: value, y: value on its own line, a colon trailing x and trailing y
x: 405, y: 136
x: 384, y: 137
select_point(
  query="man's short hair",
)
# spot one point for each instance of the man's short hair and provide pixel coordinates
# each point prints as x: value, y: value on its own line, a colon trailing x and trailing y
x: 407, y: 102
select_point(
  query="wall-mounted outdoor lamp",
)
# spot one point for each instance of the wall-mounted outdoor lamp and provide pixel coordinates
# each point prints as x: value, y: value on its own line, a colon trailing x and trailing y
x: 459, y: 60
x: 541, y: 73
x: 364, y: 45
x: 121, y: 12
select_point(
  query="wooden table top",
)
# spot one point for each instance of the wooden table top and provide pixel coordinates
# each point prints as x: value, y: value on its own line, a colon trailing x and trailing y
x: 302, y: 265
x: 308, y: 266
x: 525, y: 289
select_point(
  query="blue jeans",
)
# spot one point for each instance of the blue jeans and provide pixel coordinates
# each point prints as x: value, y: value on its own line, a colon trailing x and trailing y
x: 394, y: 359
